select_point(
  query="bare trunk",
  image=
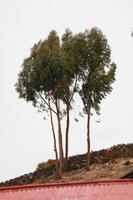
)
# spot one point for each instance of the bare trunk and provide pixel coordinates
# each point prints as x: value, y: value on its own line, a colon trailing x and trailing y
x: 67, y: 133
x: 60, y: 138
x: 88, y: 137
x: 55, y: 147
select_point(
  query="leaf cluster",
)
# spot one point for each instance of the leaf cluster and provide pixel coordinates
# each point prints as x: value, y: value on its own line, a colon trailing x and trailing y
x: 99, y: 72
x: 61, y: 67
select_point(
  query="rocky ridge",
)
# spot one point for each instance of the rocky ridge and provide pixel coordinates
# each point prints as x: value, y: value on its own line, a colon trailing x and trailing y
x: 112, y: 163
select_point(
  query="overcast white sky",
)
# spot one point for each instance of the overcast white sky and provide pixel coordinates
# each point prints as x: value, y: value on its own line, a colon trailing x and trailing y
x: 25, y: 138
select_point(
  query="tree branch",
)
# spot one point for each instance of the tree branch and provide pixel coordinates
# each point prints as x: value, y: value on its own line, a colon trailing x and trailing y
x: 47, y: 103
x: 73, y: 90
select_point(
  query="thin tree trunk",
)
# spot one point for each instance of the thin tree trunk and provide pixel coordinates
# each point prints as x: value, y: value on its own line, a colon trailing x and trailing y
x: 67, y: 133
x: 88, y: 138
x: 54, y: 137
x: 60, y: 138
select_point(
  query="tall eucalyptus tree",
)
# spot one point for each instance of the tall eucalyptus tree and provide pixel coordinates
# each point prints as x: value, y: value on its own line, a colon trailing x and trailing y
x: 98, y: 75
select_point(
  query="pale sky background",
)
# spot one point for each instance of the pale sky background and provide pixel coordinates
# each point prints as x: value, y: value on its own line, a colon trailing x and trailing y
x: 25, y: 138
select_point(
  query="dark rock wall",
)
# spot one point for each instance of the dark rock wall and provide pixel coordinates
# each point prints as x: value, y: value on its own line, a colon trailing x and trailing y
x: 75, y: 162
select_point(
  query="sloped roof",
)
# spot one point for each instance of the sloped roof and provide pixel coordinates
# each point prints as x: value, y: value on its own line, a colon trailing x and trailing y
x: 100, y: 190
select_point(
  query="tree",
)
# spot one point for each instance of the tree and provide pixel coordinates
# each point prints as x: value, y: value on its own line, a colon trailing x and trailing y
x: 54, y: 72
x: 98, y: 76
x: 39, y: 81
x: 72, y: 47
x: 48, y: 80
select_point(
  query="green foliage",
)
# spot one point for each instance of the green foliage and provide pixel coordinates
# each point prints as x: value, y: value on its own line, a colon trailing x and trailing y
x: 50, y: 70
x: 59, y: 67
x: 99, y: 72
x: 56, y: 67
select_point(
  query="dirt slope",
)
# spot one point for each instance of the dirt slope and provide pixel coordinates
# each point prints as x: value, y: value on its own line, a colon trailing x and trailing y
x: 113, y: 163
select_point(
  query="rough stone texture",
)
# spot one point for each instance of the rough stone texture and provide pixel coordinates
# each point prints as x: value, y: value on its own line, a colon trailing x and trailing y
x: 113, y: 163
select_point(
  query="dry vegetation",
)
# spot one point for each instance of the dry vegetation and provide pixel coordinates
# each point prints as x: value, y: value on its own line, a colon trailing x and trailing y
x: 113, y: 163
